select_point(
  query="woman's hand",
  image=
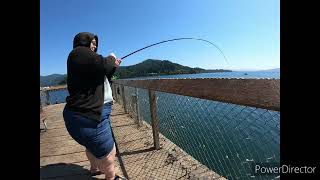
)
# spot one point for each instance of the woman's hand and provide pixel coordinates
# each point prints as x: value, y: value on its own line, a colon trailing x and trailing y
x: 117, y: 60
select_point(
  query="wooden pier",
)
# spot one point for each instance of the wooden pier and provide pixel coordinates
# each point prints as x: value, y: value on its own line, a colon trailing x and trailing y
x: 62, y: 158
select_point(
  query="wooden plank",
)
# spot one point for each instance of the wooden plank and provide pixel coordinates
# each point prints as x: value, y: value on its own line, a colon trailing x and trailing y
x: 260, y: 93
x: 154, y: 119
x: 51, y: 146
x: 57, y: 131
x: 67, y: 158
x: 58, y: 139
x: 50, y: 134
x: 62, y: 150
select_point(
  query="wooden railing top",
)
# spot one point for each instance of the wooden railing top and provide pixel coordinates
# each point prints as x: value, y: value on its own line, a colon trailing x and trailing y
x: 55, y: 88
x: 260, y: 93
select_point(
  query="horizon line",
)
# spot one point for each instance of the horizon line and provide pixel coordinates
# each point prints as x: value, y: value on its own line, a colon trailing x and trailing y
x: 240, y: 69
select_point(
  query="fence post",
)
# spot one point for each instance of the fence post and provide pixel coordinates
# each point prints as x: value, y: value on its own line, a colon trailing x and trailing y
x: 114, y: 91
x: 133, y: 106
x: 118, y: 93
x: 123, y: 99
x: 40, y: 103
x: 47, y: 97
x: 137, y: 107
x: 154, y: 119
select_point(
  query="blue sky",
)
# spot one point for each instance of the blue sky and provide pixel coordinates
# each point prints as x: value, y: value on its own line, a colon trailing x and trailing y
x: 247, y: 31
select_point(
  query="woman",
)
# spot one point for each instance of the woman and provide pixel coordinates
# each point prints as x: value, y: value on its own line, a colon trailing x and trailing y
x: 88, y: 107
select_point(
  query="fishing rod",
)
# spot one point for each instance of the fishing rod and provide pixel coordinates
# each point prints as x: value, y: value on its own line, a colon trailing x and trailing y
x: 177, y: 40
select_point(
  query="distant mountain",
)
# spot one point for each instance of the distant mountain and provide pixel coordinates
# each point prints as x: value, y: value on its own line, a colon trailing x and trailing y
x: 272, y: 70
x: 152, y: 67
x: 52, y: 80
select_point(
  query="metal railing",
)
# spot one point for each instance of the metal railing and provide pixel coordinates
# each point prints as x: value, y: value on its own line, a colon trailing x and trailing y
x: 227, y: 126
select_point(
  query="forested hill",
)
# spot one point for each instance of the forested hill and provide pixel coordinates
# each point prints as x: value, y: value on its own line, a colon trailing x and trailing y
x: 151, y: 67
x: 53, y: 80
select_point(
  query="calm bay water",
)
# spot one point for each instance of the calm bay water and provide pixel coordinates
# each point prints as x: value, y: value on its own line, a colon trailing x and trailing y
x: 234, y: 74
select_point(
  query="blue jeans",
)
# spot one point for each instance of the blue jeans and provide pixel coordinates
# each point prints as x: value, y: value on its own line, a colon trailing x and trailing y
x: 95, y: 136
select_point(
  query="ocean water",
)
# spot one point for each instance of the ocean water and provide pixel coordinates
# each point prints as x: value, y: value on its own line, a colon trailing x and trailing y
x: 227, y: 138
x: 54, y: 97
x: 233, y: 74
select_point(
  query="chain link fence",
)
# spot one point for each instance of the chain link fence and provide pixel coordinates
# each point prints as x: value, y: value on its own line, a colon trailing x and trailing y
x: 225, y: 137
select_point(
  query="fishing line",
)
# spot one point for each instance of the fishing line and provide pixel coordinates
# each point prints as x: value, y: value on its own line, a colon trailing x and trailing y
x: 177, y: 40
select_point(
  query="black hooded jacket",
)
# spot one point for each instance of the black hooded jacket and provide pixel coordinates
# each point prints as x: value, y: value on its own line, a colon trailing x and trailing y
x: 86, y: 72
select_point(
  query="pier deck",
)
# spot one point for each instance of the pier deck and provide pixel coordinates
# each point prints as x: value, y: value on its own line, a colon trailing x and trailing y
x: 62, y: 158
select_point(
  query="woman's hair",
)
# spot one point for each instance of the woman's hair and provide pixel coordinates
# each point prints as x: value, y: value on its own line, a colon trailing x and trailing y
x: 84, y: 39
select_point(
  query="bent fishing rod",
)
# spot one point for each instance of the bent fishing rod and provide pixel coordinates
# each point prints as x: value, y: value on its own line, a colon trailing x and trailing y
x: 177, y: 39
